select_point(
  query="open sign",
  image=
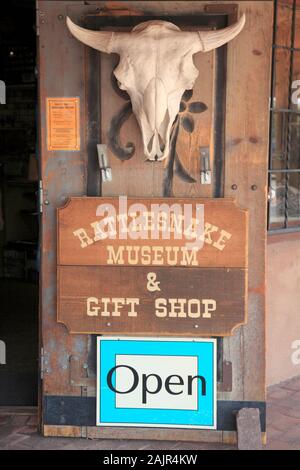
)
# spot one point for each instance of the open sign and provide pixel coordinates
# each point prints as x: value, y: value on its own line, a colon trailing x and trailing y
x: 156, y: 382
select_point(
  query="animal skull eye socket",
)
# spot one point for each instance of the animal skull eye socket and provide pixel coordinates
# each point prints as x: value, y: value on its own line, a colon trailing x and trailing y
x: 120, y: 85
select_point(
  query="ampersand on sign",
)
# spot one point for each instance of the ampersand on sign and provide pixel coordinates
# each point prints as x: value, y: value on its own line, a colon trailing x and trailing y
x: 152, y: 284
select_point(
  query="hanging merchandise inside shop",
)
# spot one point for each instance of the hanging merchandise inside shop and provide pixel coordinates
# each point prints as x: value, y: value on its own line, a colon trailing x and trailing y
x: 19, y: 213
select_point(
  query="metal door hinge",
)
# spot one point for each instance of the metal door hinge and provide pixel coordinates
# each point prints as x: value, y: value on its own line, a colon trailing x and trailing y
x: 41, y: 196
x: 42, y: 357
x: 37, y: 15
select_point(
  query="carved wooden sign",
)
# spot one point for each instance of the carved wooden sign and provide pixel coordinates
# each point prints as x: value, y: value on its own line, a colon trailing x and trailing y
x: 166, y: 266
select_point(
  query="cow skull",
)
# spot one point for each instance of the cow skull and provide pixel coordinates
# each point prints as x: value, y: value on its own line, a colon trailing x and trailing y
x: 156, y: 67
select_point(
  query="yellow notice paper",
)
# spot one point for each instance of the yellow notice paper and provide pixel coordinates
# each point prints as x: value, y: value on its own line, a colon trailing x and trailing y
x: 63, y: 124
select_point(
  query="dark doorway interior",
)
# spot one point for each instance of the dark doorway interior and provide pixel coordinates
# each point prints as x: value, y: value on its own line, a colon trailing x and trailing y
x: 19, y: 217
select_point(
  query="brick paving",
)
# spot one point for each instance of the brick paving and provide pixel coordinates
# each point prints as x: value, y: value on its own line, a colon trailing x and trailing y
x: 19, y: 431
x: 283, y: 416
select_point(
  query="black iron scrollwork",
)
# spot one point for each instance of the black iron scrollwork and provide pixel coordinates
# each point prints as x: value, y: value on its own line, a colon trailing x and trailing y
x: 123, y: 153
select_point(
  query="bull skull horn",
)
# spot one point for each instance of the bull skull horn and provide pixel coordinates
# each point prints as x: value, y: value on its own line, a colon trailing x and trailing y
x: 104, y: 41
x: 155, y: 89
x: 212, y: 39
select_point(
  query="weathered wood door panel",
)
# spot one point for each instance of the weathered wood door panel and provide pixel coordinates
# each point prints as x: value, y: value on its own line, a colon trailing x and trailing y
x: 66, y: 70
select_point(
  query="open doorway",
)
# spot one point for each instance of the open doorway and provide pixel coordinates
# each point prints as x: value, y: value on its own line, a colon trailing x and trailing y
x: 19, y: 214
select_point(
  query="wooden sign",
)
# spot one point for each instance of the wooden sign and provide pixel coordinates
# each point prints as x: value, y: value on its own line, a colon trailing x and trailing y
x: 153, y: 266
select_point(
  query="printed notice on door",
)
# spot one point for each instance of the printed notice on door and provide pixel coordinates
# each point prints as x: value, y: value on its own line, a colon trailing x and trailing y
x: 63, y: 126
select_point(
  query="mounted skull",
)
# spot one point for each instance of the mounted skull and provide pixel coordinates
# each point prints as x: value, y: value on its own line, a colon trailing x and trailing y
x: 156, y: 67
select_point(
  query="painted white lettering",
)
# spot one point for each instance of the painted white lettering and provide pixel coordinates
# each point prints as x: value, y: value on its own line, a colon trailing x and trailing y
x: 84, y: 239
x: 221, y: 242
x: 189, y: 257
x: 161, y: 308
x: 115, y: 257
x: 92, y: 310
x: 210, y: 305
x: 132, y: 304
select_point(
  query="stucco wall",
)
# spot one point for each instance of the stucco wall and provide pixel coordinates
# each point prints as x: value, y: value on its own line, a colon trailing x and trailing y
x: 283, y: 307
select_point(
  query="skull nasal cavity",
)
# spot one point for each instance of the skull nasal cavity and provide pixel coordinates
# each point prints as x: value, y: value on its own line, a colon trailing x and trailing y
x: 155, y: 103
x: 161, y: 144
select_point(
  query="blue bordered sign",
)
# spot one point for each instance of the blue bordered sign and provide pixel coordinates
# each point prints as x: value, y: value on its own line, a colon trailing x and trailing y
x: 151, y: 382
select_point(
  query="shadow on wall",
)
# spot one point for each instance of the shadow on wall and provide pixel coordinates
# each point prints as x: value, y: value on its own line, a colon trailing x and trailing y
x: 283, y: 307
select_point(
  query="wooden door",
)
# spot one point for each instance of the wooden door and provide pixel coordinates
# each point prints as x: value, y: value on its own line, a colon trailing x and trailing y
x: 231, y: 127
